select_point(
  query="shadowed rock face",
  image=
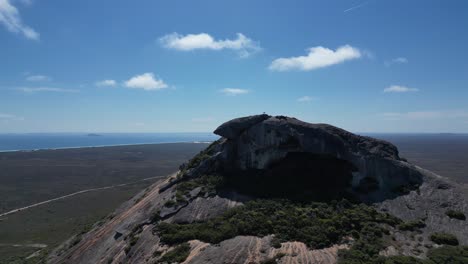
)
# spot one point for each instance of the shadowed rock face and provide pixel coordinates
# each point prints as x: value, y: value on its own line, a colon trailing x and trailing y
x: 369, y: 165
x: 265, y: 156
x: 298, y: 176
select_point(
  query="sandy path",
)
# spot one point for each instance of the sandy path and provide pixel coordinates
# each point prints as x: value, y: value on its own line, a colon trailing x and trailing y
x: 77, y: 193
x: 23, y: 245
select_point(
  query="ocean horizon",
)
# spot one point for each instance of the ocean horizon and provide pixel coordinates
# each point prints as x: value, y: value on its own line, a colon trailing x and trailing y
x: 38, y: 141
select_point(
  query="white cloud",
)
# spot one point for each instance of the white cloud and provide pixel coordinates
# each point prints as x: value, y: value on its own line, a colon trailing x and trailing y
x: 103, y: 83
x: 305, y: 99
x: 146, y: 81
x: 10, y: 18
x: 242, y: 44
x: 318, y: 57
x: 7, y: 117
x: 425, y: 115
x: 234, y: 91
x: 46, y: 89
x: 38, y: 78
x: 356, y: 6
x: 399, y: 60
x: 399, y: 89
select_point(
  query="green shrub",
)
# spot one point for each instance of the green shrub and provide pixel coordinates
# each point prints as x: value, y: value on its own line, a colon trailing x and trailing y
x: 208, y: 183
x: 127, y: 250
x: 444, y: 239
x: 449, y: 254
x: 202, y: 156
x: 178, y: 254
x: 195, y: 161
x: 400, y: 260
x: 269, y: 261
x: 412, y: 225
x: 156, y: 253
x: 443, y: 255
x: 155, y: 217
x: 456, y: 214
x: 75, y: 241
x: 170, y: 203
x: 318, y: 225
x: 275, y: 242
x: 133, y: 241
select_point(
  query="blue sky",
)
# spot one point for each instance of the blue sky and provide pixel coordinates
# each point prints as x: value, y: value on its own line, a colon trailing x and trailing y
x: 187, y: 66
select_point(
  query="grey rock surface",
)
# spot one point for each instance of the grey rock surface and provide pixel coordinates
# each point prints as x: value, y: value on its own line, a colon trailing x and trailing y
x: 233, y: 128
x: 430, y: 203
x: 255, y: 143
x: 202, y: 209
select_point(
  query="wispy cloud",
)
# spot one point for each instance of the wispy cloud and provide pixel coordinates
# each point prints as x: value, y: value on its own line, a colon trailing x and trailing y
x: 103, y: 83
x: 146, y: 81
x: 46, y: 89
x: 38, y: 78
x: 10, y: 18
x: 305, y: 99
x: 7, y: 117
x: 242, y: 44
x: 318, y: 57
x: 356, y: 6
x: 234, y: 91
x: 399, y: 89
x: 426, y: 115
x: 399, y: 60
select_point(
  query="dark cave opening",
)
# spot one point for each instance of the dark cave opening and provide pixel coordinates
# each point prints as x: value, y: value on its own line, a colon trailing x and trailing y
x: 298, y: 176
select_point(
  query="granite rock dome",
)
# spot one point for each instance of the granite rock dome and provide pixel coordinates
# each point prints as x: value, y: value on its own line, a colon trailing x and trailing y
x: 275, y: 156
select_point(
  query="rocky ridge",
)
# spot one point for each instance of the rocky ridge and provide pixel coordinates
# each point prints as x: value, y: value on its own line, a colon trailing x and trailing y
x: 276, y: 157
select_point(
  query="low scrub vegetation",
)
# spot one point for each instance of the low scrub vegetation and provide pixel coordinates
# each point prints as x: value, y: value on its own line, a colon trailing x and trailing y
x: 448, y: 254
x: 442, y: 255
x: 202, y: 155
x: 176, y: 255
x: 412, y: 225
x: 318, y: 225
x: 456, y: 214
x: 444, y: 239
x: 207, y: 183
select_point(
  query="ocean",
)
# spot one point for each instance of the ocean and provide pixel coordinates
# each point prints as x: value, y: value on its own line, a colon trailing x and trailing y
x: 34, y: 141
x: 446, y: 154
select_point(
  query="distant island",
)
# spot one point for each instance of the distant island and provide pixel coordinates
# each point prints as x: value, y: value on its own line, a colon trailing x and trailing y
x: 94, y: 135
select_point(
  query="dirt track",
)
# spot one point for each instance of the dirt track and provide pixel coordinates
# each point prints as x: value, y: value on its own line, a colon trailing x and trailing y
x: 77, y: 193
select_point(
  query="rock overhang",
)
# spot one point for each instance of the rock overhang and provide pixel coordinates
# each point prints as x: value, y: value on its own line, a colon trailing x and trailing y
x: 257, y: 142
